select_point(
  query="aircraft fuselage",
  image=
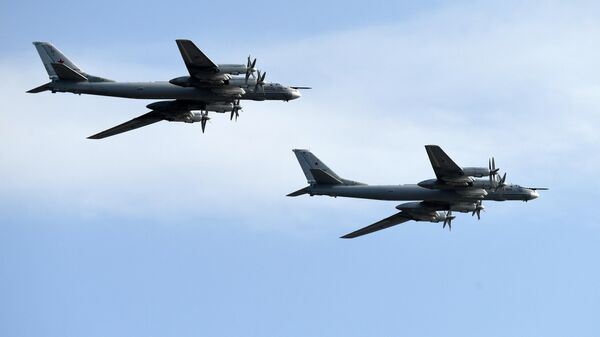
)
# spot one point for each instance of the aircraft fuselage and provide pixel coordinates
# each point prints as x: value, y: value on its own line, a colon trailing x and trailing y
x: 416, y: 192
x: 166, y: 90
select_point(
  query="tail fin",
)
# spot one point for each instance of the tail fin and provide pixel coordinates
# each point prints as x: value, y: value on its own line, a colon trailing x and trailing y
x: 57, y: 64
x: 317, y: 172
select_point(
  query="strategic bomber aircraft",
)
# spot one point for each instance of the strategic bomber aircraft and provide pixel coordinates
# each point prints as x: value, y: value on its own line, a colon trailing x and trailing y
x: 209, y: 87
x: 453, y: 189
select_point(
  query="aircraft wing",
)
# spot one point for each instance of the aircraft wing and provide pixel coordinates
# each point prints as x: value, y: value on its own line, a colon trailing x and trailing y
x: 443, y: 166
x: 143, y: 120
x: 393, y: 220
x: 196, y: 62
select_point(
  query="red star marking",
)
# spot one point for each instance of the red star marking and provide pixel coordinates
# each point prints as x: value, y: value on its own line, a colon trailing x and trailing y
x: 61, y: 61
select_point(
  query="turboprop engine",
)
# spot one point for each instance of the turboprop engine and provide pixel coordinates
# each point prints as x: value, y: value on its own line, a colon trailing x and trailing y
x: 475, y: 193
x: 219, y: 107
x: 464, y: 207
x: 193, y: 117
x: 241, y: 82
x: 482, y: 171
x: 476, y: 171
x: 229, y: 90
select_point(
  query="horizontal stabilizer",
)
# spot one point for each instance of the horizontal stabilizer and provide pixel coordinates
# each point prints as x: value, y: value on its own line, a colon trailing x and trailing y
x: 64, y: 72
x: 41, y: 88
x: 324, y: 177
x: 299, y: 192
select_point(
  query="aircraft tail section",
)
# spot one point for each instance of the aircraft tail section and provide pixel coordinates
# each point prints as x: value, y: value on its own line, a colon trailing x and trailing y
x: 59, y: 67
x: 56, y: 63
x: 317, y: 172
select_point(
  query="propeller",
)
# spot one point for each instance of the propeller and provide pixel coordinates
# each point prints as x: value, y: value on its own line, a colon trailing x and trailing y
x: 492, y: 166
x: 260, y: 81
x: 203, y: 120
x: 492, y: 170
x: 501, y: 182
x: 448, y: 220
x: 478, y: 208
x: 235, y: 111
x: 250, y: 68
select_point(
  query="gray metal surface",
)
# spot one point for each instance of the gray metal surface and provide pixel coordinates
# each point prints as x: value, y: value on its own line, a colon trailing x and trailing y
x: 452, y: 190
x: 210, y: 87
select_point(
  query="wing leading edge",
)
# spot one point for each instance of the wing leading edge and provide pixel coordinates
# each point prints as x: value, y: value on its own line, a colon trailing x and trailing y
x: 196, y: 62
x: 388, y: 222
x: 141, y: 121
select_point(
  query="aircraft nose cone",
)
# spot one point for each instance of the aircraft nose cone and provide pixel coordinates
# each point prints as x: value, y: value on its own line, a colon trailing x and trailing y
x: 295, y: 94
x: 533, y: 195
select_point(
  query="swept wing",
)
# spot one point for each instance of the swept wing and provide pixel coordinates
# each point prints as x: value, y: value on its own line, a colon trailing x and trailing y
x: 388, y: 222
x: 199, y: 65
x: 141, y: 121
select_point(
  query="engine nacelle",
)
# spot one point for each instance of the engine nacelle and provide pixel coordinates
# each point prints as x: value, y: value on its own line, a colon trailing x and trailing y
x: 476, y: 171
x: 229, y: 90
x: 464, y: 207
x: 193, y: 117
x: 233, y: 69
x: 475, y: 193
x: 241, y: 82
x: 219, y: 107
x: 483, y: 183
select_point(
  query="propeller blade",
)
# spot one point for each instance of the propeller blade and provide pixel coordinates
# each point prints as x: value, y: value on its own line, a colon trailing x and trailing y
x: 250, y: 64
x: 448, y: 220
x: 478, y: 208
x: 257, y: 81
x: 203, y: 124
x: 203, y: 121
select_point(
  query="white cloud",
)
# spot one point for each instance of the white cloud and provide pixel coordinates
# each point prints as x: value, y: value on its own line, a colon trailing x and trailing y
x: 521, y: 85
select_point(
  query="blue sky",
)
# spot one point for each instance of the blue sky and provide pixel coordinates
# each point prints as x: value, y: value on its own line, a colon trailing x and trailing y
x: 170, y: 232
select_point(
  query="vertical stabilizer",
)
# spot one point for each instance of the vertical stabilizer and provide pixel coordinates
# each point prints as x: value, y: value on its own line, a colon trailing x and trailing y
x: 317, y: 172
x: 56, y: 63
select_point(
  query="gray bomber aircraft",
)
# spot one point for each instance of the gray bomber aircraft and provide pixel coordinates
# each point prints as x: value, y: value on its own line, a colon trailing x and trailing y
x: 209, y: 87
x: 455, y: 188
